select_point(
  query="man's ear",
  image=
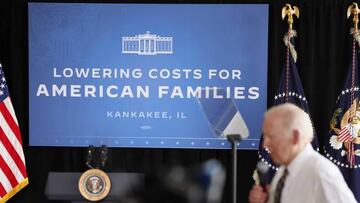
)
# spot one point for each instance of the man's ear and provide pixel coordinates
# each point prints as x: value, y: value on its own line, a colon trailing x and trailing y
x: 295, y: 137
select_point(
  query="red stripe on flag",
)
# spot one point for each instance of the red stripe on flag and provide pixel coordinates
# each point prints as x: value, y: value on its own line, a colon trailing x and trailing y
x: 2, y: 191
x: 13, y: 153
x: 344, y: 135
x: 11, y: 122
x: 8, y: 173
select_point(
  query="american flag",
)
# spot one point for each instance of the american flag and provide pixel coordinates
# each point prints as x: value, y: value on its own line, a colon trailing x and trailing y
x: 13, y: 176
x: 345, y: 135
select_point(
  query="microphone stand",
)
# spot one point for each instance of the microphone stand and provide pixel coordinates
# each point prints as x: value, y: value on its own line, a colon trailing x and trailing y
x: 234, y: 139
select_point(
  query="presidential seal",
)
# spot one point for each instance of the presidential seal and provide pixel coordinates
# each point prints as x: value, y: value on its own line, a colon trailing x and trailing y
x: 94, y: 185
x: 348, y: 135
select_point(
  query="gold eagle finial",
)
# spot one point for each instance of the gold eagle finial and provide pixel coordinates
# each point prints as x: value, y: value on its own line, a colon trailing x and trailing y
x: 289, y: 11
x: 354, y: 9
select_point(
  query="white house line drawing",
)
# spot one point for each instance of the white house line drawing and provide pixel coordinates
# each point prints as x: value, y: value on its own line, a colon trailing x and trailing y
x: 147, y: 44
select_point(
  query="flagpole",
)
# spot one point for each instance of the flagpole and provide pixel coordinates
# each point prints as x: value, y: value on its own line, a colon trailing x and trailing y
x: 289, y: 11
x: 354, y: 10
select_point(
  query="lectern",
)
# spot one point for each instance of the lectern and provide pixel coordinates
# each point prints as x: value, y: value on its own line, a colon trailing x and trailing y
x: 64, y: 186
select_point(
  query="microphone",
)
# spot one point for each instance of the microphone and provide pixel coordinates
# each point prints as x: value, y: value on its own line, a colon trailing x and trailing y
x: 90, y: 156
x: 262, y: 170
x: 103, y: 155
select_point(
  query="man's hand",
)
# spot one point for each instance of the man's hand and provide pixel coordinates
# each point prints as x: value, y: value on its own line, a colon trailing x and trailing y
x: 258, y: 195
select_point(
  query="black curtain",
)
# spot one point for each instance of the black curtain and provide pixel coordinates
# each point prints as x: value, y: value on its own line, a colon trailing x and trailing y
x: 323, y: 45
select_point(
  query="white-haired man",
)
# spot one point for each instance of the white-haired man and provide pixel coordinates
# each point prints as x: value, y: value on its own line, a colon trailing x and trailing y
x: 304, y: 175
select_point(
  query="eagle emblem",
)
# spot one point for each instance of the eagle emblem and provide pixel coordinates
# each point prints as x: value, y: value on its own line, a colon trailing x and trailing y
x: 348, y: 134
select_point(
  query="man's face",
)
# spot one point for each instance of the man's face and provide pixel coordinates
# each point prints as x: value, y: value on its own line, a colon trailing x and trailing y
x: 277, y: 141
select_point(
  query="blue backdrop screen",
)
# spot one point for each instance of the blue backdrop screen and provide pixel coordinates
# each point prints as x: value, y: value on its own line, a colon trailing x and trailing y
x: 133, y: 75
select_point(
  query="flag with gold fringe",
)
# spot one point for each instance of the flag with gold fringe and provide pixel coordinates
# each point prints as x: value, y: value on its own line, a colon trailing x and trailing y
x: 342, y: 143
x: 290, y: 90
x: 13, y: 175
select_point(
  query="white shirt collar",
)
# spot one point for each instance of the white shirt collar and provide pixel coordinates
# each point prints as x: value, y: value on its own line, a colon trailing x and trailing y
x: 299, y: 160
